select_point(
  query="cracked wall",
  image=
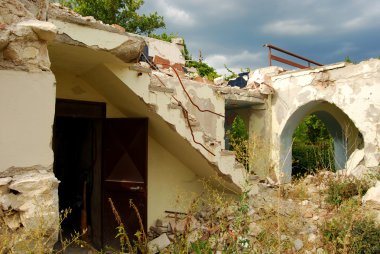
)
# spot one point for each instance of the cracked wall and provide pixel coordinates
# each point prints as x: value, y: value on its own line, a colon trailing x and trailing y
x: 353, y: 95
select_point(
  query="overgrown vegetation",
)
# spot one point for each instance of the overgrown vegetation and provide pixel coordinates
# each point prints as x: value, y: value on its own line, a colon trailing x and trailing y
x: 351, y: 230
x: 164, y: 36
x: 345, y: 188
x: 238, y: 141
x: 313, y: 147
x: 204, y: 70
x: 121, y: 12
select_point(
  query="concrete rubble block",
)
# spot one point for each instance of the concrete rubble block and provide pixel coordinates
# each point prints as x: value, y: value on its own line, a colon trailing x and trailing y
x: 11, y: 201
x: 34, y: 183
x: 4, y: 37
x: 373, y: 196
x: 266, y: 89
x: 159, y: 243
x: 219, y: 81
x: 45, y: 31
x: 359, y: 172
x: 178, y: 40
x: 119, y: 28
x: 263, y: 75
x: 26, y: 33
x: 5, y: 180
x: 298, y: 244
x: 355, y: 158
x: 13, y: 221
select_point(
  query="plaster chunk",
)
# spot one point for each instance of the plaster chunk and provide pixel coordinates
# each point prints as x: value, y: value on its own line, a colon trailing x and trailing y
x: 159, y: 243
x: 29, y: 52
x: 10, y: 201
x: 24, y: 32
x: 373, y: 195
x: 4, y: 38
x: 34, y: 184
x: 12, y: 221
x: 5, y: 180
x: 46, y: 31
x: 356, y: 157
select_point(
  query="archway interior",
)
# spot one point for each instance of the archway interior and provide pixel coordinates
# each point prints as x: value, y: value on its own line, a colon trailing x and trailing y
x: 313, y: 147
x: 346, y: 137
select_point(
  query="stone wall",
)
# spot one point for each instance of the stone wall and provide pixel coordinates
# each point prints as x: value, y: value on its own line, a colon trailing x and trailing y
x: 28, y: 187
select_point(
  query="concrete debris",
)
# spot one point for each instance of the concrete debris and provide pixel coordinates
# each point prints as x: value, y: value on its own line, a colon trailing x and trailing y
x: 219, y: 81
x: 373, y: 195
x: 298, y: 244
x: 46, y: 31
x: 159, y: 243
x: 355, y: 158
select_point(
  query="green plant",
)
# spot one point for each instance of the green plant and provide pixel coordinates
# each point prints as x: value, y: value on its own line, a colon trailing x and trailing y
x: 232, y: 74
x: 238, y: 140
x: 344, y: 188
x: 351, y: 230
x: 121, y: 12
x: 313, y: 147
x: 204, y: 70
x: 140, y: 244
x: 164, y: 36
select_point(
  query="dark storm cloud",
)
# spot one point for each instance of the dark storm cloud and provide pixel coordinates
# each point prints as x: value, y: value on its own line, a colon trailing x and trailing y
x: 233, y: 32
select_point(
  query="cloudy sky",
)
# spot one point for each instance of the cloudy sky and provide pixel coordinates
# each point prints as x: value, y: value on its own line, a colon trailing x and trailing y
x: 232, y: 32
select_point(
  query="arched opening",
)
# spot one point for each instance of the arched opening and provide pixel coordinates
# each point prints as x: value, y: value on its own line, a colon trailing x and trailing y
x: 346, y: 137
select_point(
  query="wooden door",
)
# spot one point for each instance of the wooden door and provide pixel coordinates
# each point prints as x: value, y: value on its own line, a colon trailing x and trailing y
x: 124, y: 175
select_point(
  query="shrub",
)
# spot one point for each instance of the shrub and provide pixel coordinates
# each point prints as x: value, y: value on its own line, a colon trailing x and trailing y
x: 344, y: 188
x: 351, y: 231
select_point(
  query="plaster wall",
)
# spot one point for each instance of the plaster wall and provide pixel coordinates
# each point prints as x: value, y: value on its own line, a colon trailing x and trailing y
x: 354, y: 92
x: 27, y: 102
x: 172, y: 185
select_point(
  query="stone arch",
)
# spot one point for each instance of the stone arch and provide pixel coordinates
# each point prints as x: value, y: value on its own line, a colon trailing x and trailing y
x: 346, y: 135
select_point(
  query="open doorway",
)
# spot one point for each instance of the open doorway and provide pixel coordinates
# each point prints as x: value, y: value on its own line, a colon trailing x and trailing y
x: 77, y: 142
x: 97, y: 159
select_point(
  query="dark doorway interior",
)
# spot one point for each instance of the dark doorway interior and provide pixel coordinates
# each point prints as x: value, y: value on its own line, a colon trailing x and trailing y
x: 96, y: 159
x: 77, y: 142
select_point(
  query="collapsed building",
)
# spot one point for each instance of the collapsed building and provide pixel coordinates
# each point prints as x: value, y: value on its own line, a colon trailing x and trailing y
x: 89, y: 114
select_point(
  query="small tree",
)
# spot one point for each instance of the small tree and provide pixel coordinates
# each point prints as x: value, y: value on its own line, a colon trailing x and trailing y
x: 121, y: 12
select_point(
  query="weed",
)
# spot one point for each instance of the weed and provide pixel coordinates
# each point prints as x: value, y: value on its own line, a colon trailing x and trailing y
x: 344, y: 188
x: 351, y: 230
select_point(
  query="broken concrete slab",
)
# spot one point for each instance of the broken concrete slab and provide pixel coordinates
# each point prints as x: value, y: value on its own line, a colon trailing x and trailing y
x: 46, y: 31
x: 159, y: 243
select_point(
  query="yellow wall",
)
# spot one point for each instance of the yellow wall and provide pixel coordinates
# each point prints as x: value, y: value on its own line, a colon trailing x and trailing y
x: 168, y: 181
x: 72, y: 87
x: 168, y: 178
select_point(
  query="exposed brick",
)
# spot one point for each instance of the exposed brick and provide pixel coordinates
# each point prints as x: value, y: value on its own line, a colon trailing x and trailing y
x: 178, y: 67
x: 161, y: 61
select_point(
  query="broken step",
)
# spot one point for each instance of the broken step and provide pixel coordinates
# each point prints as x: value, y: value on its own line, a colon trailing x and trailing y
x: 163, y: 89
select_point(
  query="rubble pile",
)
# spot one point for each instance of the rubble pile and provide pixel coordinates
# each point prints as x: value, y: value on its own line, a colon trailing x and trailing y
x: 300, y: 209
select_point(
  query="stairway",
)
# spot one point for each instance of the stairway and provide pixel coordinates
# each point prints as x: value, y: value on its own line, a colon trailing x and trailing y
x: 203, y: 130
